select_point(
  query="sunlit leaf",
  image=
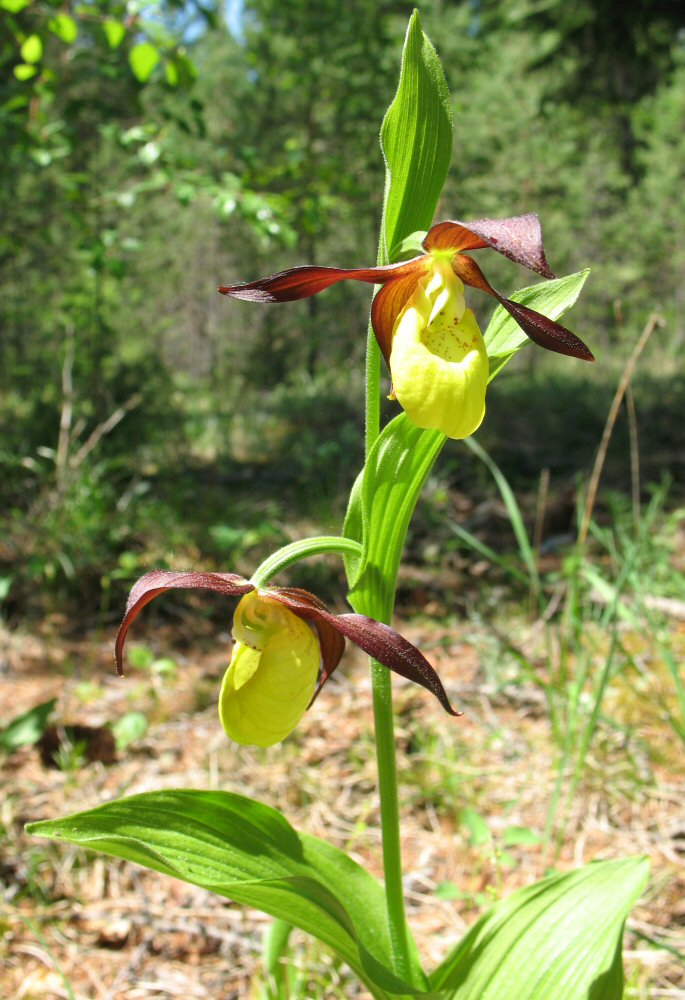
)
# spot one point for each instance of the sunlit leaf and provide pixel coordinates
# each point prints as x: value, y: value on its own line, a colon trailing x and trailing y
x: 558, y: 938
x: 143, y: 59
x: 27, y: 728
x: 64, y: 27
x: 477, y: 827
x: 32, y: 49
x: 130, y: 727
x: 43, y: 157
x: 24, y: 72
x: 115, y: 33
x: 171, y: 73
x: 520, y: 836
x: 186, y: 68
x: 249, y: 853
x: 13, y: 6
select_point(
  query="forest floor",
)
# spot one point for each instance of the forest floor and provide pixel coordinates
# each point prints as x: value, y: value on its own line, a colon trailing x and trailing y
x: 76, y: 925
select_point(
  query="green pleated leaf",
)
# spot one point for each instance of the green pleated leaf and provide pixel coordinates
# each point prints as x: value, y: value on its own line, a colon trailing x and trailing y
x: 504, y: 337
x: 381, y: 505
x: 353, y: 528
x: 143, y: 59
x: 416, y: 139
x: 560, y: 938
x: 249, y: 853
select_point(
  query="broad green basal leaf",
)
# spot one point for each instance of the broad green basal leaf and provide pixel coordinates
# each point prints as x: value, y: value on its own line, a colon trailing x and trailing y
x: 504, y: 337
x: 416, y: 139
x: 559, y: 939
x: 249, y: 853
x: 381, y: 505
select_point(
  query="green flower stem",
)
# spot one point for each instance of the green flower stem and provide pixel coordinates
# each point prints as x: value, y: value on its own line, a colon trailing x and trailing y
x: 292, y: 553
x: 390, y: 816
x: 383, y: 718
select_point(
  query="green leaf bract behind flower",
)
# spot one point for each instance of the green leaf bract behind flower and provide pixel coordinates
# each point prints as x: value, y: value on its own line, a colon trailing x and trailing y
x: 416, y: 139
x: 380, y: 508
x: 504, y: 337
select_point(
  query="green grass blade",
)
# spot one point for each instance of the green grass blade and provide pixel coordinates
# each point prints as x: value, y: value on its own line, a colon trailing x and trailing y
x: 513, y: 512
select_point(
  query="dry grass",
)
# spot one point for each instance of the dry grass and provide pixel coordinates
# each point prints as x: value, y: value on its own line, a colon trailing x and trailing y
x: 108, y: 931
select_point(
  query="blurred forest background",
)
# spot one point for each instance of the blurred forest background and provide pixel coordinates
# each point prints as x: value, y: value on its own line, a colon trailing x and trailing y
x: 153, y: 151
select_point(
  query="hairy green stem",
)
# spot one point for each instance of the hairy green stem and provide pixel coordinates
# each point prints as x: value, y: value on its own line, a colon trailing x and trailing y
x: 383, y: 718
x: 295, y: 551
x: 390, y: 816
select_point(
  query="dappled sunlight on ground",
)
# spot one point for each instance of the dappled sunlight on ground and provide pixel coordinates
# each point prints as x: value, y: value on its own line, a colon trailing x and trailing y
x: 115, y: 931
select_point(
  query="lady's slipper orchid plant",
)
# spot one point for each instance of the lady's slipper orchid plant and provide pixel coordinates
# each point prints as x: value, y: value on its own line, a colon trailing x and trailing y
x: 279, y: 663
x: 287, y: 643
x: 430, y: 341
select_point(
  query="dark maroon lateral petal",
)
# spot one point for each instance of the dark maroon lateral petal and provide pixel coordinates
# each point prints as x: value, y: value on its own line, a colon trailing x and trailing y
x: 295, y: 598
x: 542, y: 331
x: 379, y: 641
x: 158, y: 581
x: 389, y: 302
x: 519, y: 238
x: 309, y: 608
x: 394, y: 652
x: 546, y: 332
x: 303, y: 282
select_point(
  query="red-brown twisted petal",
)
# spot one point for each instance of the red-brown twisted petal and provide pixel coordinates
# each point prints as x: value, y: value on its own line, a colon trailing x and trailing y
x: 389, y: 302
x: 376, y: 639
x: 157, y: 582
x: 519, y: 238
x: 379, y: 641
x: 394, y: 652
x: 303, y: 282
x: 543, y: 331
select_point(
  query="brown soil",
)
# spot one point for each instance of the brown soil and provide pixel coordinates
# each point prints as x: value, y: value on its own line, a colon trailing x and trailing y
x: 83, y: 926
